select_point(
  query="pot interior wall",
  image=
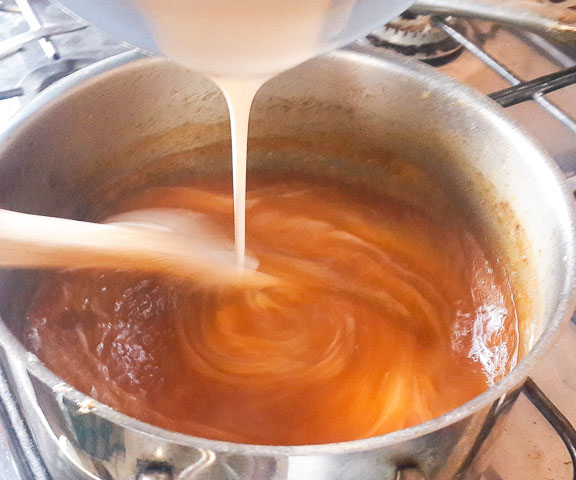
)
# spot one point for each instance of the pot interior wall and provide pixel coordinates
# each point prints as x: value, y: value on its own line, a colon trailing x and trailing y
x: 372, y: 120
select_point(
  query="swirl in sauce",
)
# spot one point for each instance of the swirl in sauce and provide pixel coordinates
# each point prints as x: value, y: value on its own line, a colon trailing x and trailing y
x: 391, y: 318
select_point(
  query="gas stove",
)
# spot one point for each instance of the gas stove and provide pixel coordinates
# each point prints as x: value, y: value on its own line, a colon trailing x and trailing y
x: 40, y: 43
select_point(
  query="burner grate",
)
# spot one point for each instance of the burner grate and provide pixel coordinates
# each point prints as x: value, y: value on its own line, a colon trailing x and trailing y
x: 521, y: 91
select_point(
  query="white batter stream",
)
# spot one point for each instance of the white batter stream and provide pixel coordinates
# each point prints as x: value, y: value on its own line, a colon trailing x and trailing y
x: 240, y: 45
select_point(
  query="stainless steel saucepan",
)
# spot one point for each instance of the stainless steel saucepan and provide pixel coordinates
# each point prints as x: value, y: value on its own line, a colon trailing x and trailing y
x: 78, y: 142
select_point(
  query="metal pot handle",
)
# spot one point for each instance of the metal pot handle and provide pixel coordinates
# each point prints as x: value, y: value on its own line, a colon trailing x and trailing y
x: 554, y: 20
x: 541, y: 402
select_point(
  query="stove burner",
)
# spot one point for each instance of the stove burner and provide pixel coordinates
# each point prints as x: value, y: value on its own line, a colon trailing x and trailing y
x: 417, y: 36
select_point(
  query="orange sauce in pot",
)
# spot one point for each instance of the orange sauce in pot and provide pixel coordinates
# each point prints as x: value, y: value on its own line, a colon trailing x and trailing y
x: 389, y: 318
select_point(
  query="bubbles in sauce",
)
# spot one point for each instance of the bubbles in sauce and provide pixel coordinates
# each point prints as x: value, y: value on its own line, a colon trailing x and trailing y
x: 392, y: 317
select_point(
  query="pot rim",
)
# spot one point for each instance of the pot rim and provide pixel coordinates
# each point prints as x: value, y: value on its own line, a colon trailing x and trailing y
x: 364, y: 53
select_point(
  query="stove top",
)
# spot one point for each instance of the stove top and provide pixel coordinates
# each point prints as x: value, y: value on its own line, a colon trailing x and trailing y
x: 33, y: 65
x: 521, y: 444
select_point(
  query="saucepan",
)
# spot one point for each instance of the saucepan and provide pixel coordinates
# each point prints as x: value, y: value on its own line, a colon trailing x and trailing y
x: 107, y: 127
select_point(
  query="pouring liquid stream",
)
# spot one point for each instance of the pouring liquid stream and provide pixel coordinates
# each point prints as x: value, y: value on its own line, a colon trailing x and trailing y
x: 239, y: 95
x: 239, y: 46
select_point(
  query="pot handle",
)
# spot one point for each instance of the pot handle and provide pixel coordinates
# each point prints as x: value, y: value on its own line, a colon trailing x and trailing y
x: 541, y: 402
x: 553, y: 20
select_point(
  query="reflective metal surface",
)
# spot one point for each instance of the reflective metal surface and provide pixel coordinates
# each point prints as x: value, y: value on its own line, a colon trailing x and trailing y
x: 555, y: 21
x: 54, y: 146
